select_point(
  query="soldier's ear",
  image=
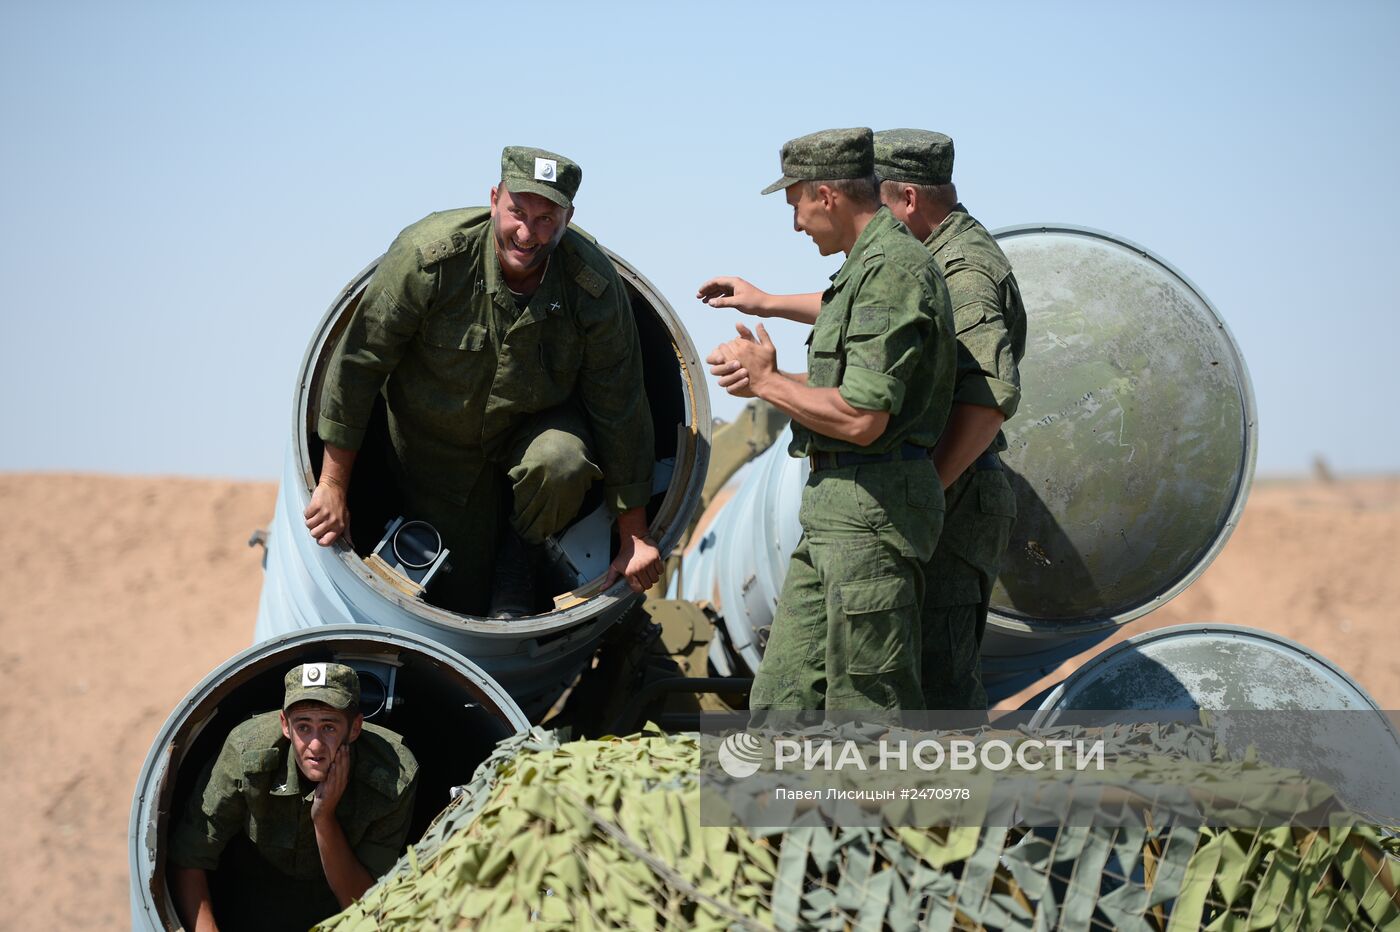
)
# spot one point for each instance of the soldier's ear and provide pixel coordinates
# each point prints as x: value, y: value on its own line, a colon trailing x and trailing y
x: 909, y: 196
x: 356, y: 724
x: 286, y: 729
x: 493, y: 198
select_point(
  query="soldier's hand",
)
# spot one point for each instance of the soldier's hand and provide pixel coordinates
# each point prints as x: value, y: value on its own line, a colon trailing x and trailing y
x: 732, y: 291
x: 756, y: 356
x: 730, y: 374
x: 328, y: 515
x: 328, y: 792
x: 639, y: 560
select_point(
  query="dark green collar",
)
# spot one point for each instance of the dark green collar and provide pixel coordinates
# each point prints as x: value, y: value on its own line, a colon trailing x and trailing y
x: 880, y: 224
x: 957, y: 221
x: 293, y: 783
x: 548, y: 297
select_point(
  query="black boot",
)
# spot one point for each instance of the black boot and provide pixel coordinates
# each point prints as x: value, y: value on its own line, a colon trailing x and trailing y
x: 513, y: 578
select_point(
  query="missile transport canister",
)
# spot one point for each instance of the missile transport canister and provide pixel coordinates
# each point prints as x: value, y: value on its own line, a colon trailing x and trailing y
x: 1130, y: 456
x: 408, y: 683
x: 361, y: 607
x: 533, y: 658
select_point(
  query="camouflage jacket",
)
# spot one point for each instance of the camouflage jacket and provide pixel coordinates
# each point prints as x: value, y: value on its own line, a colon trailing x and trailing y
x: 987, y: 313
x: 254, y: 788
x: 884, y: 338
x: 460, y: 365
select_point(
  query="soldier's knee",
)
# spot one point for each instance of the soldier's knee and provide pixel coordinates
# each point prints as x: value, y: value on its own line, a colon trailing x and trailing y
x: 558, y: 458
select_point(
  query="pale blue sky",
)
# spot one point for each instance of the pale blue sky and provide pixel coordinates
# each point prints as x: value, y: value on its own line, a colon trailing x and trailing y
x: 186, y: 187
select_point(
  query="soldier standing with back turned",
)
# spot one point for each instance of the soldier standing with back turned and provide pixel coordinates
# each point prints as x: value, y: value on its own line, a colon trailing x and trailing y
x: 916, y: 183
x: 867, y: 413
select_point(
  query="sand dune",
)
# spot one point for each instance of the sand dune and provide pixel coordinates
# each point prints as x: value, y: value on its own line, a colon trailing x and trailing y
x: 121, y: 593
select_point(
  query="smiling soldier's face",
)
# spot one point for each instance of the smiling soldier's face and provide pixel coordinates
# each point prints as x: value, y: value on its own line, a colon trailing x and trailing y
x: 527, y: 227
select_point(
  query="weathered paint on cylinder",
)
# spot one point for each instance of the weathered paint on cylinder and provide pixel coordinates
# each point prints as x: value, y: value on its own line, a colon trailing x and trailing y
x: 1133, y: 448
x: 534, y: 658
x: 150, y: 805
x: 1131, y: 455
x: 1229, y: 668
x: 1206, y: 666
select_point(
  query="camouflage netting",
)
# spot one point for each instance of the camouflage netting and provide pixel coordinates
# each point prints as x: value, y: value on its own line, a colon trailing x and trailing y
x: 607, y: 834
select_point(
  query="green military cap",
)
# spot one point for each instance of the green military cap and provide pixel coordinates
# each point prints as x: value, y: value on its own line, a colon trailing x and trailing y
x: 830, y: 155
x: 914, y: 156
x: 535, y: 171
x: 335, y: 684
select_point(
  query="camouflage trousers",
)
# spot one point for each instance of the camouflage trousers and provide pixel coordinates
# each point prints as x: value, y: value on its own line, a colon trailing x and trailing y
x: 546, y: 471
x: 981, y: 509
x: 848, y: 627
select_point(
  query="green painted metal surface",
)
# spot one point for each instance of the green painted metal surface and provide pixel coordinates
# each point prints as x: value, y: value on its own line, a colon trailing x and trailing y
x: 1134, y: 446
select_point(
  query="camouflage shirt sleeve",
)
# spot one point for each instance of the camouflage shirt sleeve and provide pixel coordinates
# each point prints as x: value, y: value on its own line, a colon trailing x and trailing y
x: 987, y: 373
x: 385, y: 321
x: 215, y: 814
x: 889, y: 325
x: 613, y: 394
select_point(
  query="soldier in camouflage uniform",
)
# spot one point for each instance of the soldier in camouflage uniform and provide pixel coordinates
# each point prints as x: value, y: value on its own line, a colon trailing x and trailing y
x: 916, y: 172
x: 915, y: 168
x: 867, y: 412
x: 504, y: 345
x: 298, y: 815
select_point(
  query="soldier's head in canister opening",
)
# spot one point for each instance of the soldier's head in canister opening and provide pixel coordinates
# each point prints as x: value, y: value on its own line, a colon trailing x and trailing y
x: 915, y: 168
x: 829, y: 180
x: 320, y: 714
x: 530, y: 209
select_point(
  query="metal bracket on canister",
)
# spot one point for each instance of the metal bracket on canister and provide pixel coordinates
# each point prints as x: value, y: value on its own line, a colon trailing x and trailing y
x: 409, y: 556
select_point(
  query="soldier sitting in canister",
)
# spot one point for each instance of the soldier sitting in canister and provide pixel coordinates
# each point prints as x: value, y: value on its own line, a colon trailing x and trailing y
x: 298, y: 815
x: 504, y: 345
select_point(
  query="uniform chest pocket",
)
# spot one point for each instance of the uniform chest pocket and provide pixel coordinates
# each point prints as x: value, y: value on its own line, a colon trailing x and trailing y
x: 450, y: 334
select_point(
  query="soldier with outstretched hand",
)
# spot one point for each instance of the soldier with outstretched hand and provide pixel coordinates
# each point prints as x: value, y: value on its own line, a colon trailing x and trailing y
x: 867, y: 412
x: 915, y: 170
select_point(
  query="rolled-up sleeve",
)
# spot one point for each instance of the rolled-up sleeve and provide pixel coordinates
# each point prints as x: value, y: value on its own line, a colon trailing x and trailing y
x: 380, y: 329
x: 884, y: 339
x: 987, y: 372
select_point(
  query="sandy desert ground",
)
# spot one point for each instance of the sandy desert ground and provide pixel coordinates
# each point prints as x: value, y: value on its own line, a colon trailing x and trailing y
x: 119, y: 594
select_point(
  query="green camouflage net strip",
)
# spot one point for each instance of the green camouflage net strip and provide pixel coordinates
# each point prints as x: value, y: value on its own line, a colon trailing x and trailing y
x: 607, y: 834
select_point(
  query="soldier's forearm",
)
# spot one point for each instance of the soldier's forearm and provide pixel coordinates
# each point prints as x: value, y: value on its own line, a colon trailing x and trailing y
x: 970, y: 431
x: 821, y: 409
x: 346, y: 876
x: 802, y: 308
x: 633, y: 523
x: 337, y: 464
x: 192, y: 900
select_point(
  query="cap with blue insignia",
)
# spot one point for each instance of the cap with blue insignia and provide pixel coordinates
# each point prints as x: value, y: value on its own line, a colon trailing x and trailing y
x: 536, y: 171
x: 335, y: 684
x: 830, y: 155
x: 913, y: 156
